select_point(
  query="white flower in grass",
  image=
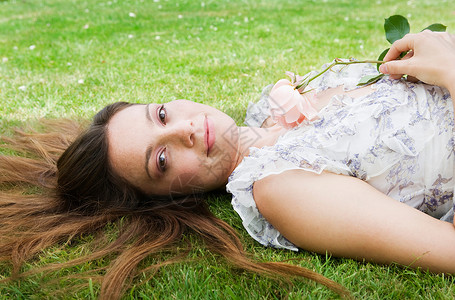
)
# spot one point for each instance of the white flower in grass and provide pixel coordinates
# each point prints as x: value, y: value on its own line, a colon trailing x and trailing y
x: 69, y: 64
x: 130, y: 36
x: 157, y: 37
x: 22, y: 88
x: 180, y: 16
x: 86, y: 26
x: 132, y: 15
x: 346, y: 19
x: 80, y: 81
x: 202, y: 4
x: 156, y: 1
x: 245, y: 19
x: 160, y: 7
x: 5, y: 59
x: 32, y: 47
x: 15, y: 48
x: 409, y: 16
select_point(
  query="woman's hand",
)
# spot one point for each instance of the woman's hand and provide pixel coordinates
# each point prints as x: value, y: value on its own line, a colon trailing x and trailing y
x: 431, y: 58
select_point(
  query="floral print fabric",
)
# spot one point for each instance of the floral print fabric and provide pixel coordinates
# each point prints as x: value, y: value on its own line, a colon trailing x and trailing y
x: 399, y: 138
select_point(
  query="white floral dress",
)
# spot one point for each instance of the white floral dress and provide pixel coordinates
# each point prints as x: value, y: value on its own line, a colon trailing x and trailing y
x: 399, y: 138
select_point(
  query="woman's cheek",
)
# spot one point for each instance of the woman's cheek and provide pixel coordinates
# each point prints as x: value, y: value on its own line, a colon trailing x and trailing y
x: 189, y: 163
x: 186, y: 183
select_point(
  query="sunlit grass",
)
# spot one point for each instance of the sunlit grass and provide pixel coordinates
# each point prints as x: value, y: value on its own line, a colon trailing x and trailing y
x: 63, y: 58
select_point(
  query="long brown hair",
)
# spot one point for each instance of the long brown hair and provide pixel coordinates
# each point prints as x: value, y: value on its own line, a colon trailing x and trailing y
x: 58, y: 185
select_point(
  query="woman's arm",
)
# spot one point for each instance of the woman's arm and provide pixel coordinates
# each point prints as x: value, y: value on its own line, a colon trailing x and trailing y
x: 349, y: 218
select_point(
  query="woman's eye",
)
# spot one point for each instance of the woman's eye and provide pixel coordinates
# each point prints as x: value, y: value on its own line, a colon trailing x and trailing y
x: 162, y: 161
x: 162, y: 114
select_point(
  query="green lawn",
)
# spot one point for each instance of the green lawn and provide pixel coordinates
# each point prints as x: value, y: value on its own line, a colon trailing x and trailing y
x: 68, y: 58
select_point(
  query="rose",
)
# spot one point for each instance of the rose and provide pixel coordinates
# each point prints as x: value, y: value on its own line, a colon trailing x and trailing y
x: 291, y: 102
x: 288, y: 107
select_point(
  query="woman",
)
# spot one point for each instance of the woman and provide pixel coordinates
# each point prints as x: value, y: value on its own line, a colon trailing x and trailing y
x: 133, y: 157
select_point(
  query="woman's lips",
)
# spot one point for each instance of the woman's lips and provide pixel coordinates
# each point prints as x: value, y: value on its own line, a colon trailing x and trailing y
x: 209, y: 134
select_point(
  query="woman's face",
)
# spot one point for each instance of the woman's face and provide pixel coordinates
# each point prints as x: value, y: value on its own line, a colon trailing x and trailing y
x: 175, y: 148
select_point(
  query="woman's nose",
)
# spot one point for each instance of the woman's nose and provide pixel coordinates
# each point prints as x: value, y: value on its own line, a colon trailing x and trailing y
x: 182, y: 131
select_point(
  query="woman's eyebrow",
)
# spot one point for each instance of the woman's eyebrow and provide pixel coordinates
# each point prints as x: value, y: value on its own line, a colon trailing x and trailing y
x: 148, y: 152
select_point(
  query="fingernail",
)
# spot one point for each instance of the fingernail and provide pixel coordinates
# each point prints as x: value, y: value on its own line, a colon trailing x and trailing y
x: 383, y: 69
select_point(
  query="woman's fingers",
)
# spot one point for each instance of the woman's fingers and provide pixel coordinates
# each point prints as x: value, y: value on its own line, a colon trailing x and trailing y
x: 431, y: 58
x: 402, y: 45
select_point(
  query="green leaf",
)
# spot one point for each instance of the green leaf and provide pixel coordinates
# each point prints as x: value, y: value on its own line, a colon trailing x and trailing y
x: 381, y: 57
x: 395, y: 28
x: 369, y: 79
x: 436, y: 27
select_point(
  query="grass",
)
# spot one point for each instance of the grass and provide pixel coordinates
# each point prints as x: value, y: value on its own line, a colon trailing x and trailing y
x: 62, y: 58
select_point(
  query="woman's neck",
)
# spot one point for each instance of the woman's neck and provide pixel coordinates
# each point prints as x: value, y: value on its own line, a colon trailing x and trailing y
x: 256, y: 137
